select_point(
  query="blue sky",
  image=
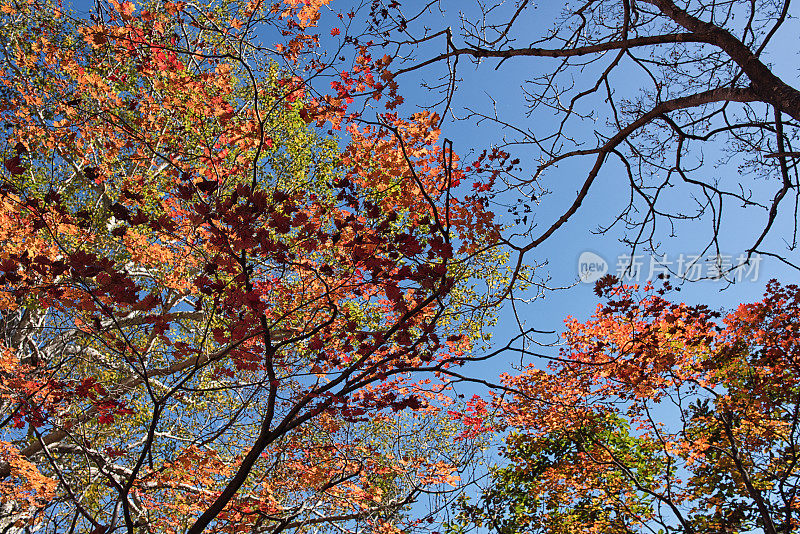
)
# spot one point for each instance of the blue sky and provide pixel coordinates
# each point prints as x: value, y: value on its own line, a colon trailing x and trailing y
x: 486, y: 88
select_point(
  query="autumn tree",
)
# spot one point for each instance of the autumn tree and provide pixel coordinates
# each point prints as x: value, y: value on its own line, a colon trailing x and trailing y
x: 688, y: 108
x: 656, y: 417
x: 214, y: 315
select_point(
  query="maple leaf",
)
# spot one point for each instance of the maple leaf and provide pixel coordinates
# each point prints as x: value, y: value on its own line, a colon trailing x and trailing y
x: 14, y: 165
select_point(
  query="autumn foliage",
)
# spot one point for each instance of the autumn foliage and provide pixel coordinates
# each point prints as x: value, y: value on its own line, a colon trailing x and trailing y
x: 237, y: 282
x: 656, y: 415
x: 214, y: 317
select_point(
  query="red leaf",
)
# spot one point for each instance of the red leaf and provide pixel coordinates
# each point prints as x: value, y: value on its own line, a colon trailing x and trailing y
x: 14, y: 165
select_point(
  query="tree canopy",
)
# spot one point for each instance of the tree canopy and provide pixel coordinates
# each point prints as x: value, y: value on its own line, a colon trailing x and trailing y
x: 656, y: 417
x: 213, y: 316
x: 243, y: 266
